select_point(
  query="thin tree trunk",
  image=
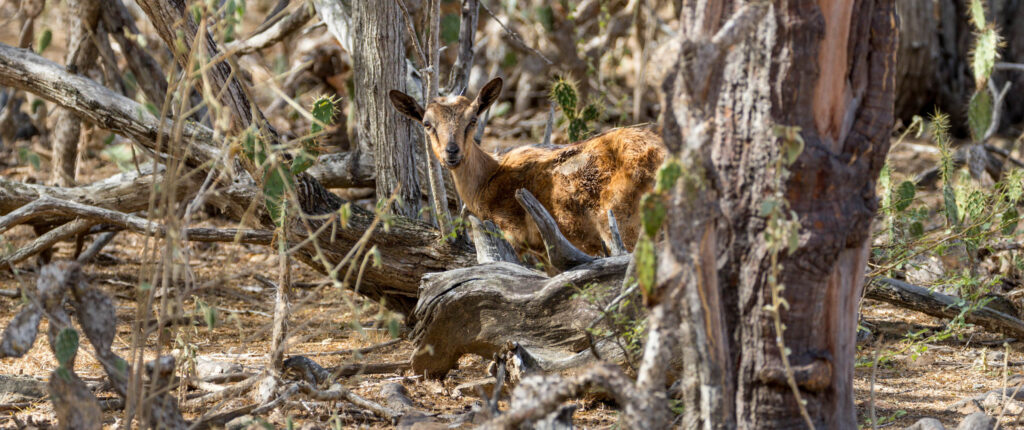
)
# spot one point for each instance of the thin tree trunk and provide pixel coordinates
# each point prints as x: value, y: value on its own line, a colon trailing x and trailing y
x: 828, y: 68
x: 438, y: 194
x: 379, y: 63
x: 81, y: 56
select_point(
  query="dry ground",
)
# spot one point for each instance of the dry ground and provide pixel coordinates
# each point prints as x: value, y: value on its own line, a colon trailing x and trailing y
x: 328, y: 319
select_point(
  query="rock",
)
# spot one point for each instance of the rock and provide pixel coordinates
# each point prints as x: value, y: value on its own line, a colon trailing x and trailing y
x: 1014, y: 407
x: 977, y: 421
x: 927, y: 424
x: 992, y: 401
x: 967, y: 407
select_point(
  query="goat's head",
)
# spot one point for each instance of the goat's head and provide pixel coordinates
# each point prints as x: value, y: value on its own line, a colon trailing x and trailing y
x: 449, y: 122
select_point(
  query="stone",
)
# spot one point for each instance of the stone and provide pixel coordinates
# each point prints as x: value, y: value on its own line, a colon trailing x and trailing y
x: 927, y: 424
x: 977, y: 421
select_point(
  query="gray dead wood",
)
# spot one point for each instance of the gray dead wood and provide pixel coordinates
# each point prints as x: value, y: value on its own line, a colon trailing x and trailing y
x: 49, y: 205
x: 940, y: 305
x: 94, y: 249
x: 537, y: 396
x: 409, y: 248
x: 491, y: 246
x: 363, y: 350
x: 275, y: 32
x: 81, y: 56
x: 119, y: 23
x: 615, y: 247
x: 46, y: 241
x: 344, y: 170
x: 562, y: 254
x: 480, y: 309
x: 337, y: 392
x: 459, y: 80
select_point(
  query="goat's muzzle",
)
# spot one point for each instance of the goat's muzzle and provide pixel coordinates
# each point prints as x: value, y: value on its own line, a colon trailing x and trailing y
x: 452, y: 156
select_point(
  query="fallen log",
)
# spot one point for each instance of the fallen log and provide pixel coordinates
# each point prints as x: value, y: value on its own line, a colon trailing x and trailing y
x: 478, y: 310
x: 936, y: 304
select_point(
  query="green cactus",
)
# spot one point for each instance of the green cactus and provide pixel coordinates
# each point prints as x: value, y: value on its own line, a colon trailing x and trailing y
x: 278, y: 173
x: 575, y: 117
x: 65, y: 347
x: 324, y: 110
x: 44, y: 40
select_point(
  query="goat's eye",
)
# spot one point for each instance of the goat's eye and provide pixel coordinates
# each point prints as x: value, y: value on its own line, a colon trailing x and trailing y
x: 472, y: 122
x: 427, y: 125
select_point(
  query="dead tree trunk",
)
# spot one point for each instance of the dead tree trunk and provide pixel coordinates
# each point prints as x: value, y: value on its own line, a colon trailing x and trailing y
x: 80, y: 58
x: 379, y: 63
x: 827, y: 68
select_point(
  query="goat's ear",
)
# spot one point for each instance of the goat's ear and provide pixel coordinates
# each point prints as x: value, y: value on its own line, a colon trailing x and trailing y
x: 406, y: 105
x: 488, y: 94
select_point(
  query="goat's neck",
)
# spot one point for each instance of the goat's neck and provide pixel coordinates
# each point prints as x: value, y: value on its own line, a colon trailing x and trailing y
x: 472, y: 175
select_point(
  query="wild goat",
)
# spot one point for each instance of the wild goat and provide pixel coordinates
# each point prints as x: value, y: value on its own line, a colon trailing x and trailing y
x: 576, y: 183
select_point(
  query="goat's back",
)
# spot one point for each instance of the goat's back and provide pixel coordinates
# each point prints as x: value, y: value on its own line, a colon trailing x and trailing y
x: 578, y: 184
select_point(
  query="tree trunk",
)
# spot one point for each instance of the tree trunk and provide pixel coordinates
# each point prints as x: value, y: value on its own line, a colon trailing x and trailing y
x: 933, y: 70
x: 379, y: 63
x: 81, y: 56
x: 826, y: 67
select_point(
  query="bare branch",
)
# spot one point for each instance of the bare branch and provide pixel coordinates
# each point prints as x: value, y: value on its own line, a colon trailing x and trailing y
x: 998, y: 97
x: 46, y: 241
x: 275, y: 33
x: 47, y: 205
x: 459, y: 80
x: 515, y: 36
x: 1010, y: 66
x: 25, y: 70
x: 561, y: 253
x: 337, y: 392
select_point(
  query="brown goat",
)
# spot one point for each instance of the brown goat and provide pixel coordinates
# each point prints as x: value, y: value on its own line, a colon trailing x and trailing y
x: 576, y: 183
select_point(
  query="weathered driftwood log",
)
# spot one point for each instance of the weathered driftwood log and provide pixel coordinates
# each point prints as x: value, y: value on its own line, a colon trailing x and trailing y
x: 491, y: 247
x: 940, y: 305
x: 561, y: 253
x: 477, y: 310
x: 483, y: 309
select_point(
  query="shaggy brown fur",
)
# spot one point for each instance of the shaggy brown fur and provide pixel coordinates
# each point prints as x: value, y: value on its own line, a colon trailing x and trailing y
x: 577, y: 183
